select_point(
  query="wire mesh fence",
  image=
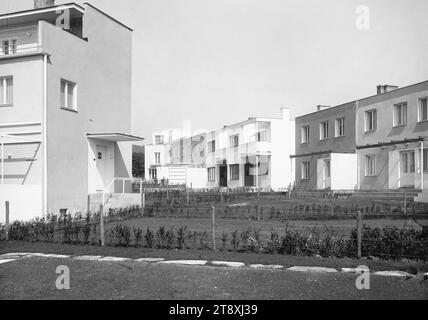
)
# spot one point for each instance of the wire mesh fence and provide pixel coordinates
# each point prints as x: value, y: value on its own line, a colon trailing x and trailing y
x: 244, y: 222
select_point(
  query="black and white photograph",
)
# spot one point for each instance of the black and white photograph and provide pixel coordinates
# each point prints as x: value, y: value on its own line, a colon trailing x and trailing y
x: 213, y: 155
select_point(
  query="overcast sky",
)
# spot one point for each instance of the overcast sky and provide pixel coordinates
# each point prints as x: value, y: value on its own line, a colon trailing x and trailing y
x: 216, y: 62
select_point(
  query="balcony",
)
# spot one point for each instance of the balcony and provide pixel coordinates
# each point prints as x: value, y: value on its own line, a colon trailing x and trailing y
x: 19, y: 41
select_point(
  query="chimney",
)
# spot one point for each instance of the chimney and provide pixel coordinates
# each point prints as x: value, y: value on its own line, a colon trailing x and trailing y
x: 386, y: 88
x: 43, y: 3
x: 321, y: 107
x: 285, y: 113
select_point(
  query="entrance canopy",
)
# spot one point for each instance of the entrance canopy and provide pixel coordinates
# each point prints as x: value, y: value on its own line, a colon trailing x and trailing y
x: 114, y: 137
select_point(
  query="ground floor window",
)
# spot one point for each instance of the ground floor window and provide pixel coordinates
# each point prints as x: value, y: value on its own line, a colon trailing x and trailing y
x: 407, y: 159
x: 370, y: 165
x: 305, y: 170
x: 211, y: 174
x: 153, y: 174
x: 234, y: 172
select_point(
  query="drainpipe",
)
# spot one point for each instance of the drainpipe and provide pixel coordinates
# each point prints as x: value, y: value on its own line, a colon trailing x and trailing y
x: 422, y: 165
x: 2, y: 160
x: 45, y: 148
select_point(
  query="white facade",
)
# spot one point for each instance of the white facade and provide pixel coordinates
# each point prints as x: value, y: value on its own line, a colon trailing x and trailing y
x: 253, y: 153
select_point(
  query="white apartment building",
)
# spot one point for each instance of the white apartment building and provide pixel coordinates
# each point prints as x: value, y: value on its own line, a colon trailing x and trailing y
x: 252, y: 153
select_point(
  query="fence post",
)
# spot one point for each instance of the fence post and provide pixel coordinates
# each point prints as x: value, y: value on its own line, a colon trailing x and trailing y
x: 332, y: 203
x: 102, y: 225
x: 221, y: 195
x: 7, y: 220
x: 405, y: 202
x: 188, y: 197
x: 143, y: 200
x: 359, y: 226
x: 213, y: 229
x: 89, y: 203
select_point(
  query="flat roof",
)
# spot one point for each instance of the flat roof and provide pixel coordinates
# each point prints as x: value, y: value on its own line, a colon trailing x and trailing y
x: 114, y: 137
x: 363, y: 99
x: 47, y: 13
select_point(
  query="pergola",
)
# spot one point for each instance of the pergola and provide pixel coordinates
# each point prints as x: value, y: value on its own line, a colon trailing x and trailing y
x: 10, y: 139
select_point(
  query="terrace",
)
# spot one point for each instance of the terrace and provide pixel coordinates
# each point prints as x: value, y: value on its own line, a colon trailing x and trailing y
x: 20, y: 32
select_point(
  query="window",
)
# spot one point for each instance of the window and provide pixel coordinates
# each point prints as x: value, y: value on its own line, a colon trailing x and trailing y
x: 9, y: 46
x: 370, y: 122
x: 339, y: 128
x: 211, y: 174
x: 423, y: 110
x: 68, y: 95
x: 324, y: 130
x: 153, y: 174
x: 234, y: 141
x: 159, y: 139
x: 305, y: 170
x: 305, y: 134
x: 157, y: 158
x: 400, y: 114
x: 370, y: 165
x: 6, y: 90
x: 211, y: 146
x: 234, y: 172
x: 407, y: 161
x: 262, y: 136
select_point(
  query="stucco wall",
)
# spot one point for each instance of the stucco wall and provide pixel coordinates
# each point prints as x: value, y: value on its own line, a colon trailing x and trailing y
x: 345, y: 144
x: 387, y: 158
x: 102, y: 70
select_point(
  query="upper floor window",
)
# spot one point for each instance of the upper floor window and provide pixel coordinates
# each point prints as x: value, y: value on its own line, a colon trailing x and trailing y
x: 324, y: 130
x: 305, y: 134
x: 262, y: 136
x: 370, y: 166
x: 157, y: 157
x: 211, y: 146
x: 9, y: 46
x: 400, y: 114
x: 234, y: 172
x: 234, y: 141
x: 339, y: 130
x: 159, y: 139
x: 6, y: 91
x: 68, y: 95
x: 423, y: 109
x: 370, y: 120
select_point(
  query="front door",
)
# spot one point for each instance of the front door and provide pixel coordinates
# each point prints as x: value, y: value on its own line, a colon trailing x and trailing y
x: 249, y: 178
x: 101, y: 160
x: 407, y: 169
x: 327, y: 174
x: 223, y: 176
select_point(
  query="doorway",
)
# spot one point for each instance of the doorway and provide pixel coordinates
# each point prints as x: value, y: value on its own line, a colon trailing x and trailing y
x: 223, y: 176
x: 326, y: 174
x: 101, y: 162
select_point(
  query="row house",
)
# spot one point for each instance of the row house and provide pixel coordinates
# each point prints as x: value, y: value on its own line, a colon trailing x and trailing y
x: 325, y: 149
x: 392, y: 128
x: 374, y: 143
x: 252, y: 153
x: 65, y: 107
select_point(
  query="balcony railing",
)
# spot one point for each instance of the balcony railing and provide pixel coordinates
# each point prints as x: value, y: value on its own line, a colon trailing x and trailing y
x: 19, y: 40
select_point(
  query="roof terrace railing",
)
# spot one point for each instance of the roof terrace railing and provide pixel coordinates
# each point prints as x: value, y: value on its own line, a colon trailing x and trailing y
x: 21, y: 40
